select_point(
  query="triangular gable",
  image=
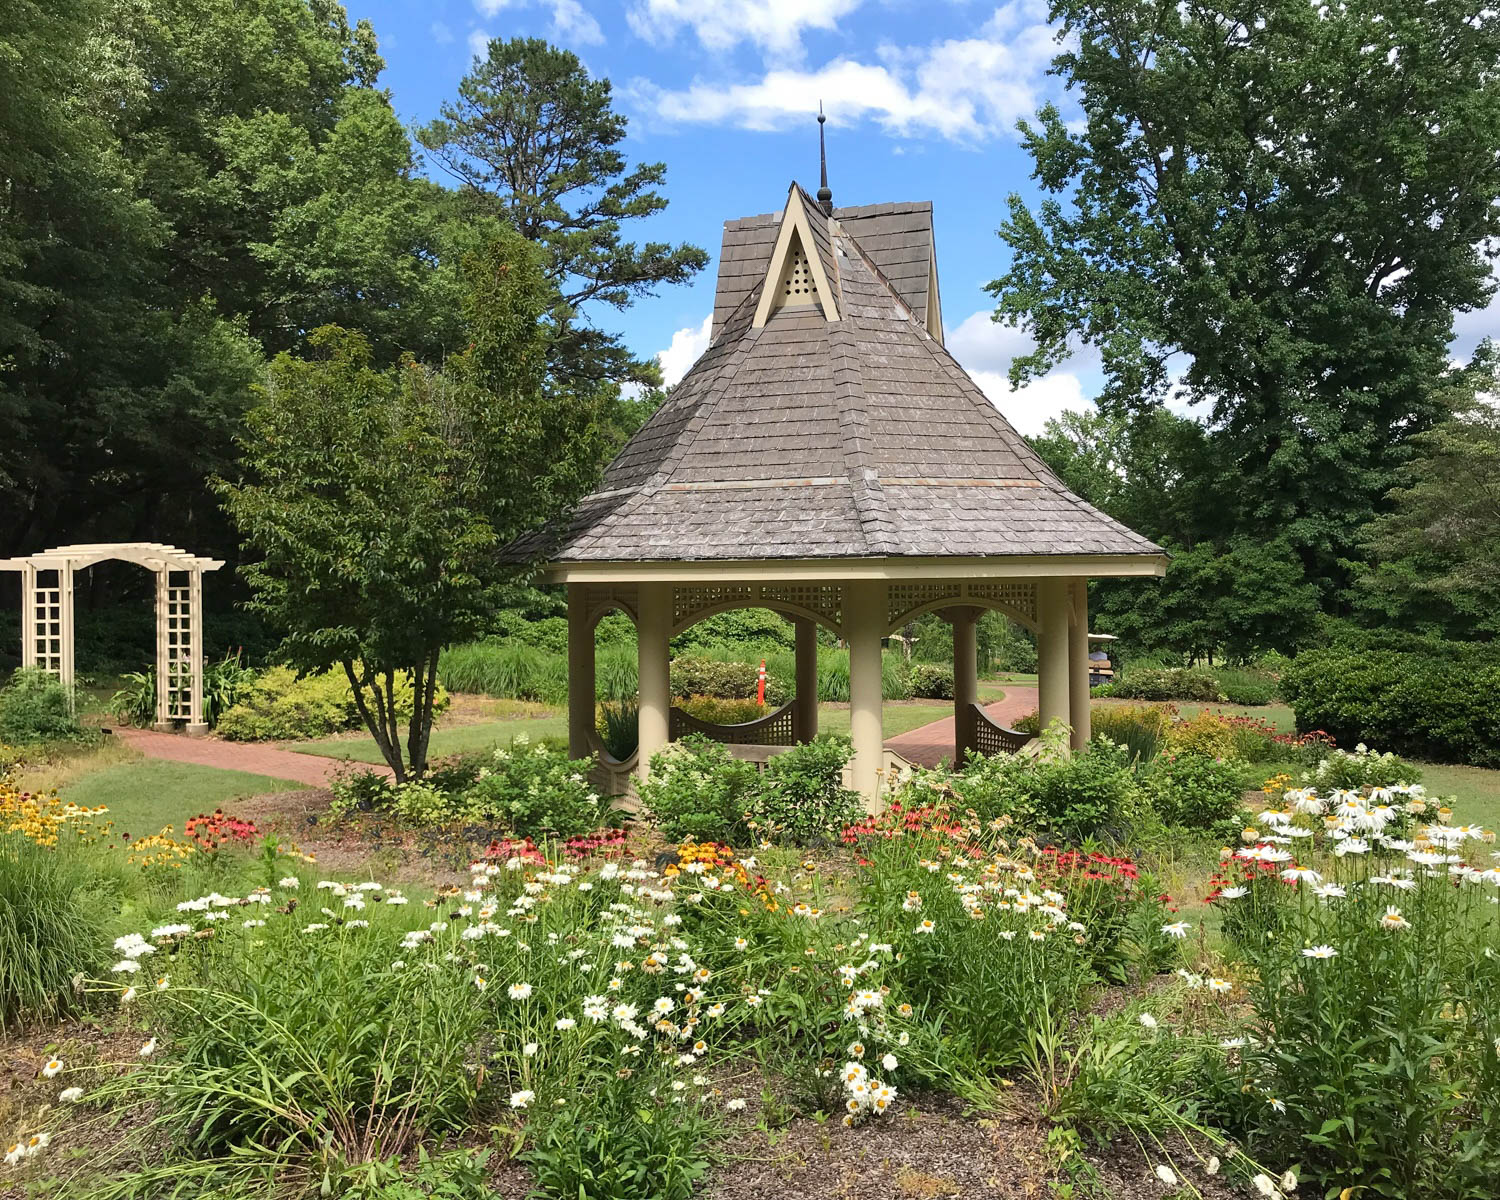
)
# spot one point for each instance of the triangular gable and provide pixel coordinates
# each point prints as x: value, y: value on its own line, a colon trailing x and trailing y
x: 795, y: 273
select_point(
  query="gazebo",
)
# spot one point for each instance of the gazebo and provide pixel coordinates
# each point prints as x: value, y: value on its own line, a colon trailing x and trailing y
x: 828, y: 459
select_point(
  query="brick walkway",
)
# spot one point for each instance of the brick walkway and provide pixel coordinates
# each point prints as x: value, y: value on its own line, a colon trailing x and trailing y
x: 313, y: 770
x: 928, y: 745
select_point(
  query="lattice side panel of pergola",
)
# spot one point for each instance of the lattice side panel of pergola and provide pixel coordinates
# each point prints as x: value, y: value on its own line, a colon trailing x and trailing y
x: 47, y: 629
x: 179, y: 654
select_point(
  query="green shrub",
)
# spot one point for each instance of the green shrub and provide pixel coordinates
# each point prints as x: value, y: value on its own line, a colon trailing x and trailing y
x: 801, y: 797
x: 697, y: 791
x: 1195, y: 791
x: 620, y: 728
x: 723, y: 712
x: 726, y: 680
x: 1422, y: 705
x: 1067, y: 796
x: 623, y: 1140
x: 1167, y: 683
x: 279, y: 705
x: 932, y: 681
x: 1362, y: 768
x: 1246, y: 687
x: 53, y: 916
x: 538, y: 791
x: 508, y: 670
x: 1140, y: 728
x: 35, y: 707
x: 1383, y: 1063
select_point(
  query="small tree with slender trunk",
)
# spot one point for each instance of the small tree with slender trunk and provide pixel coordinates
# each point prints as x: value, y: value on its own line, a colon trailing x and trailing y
x: 375, y: 502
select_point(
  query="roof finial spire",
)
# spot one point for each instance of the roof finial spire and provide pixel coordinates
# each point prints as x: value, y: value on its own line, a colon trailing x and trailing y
x: 825, y: 196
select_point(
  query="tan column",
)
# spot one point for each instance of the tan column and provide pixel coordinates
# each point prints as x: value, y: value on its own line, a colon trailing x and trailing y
x: 864, y: 623
x: 28, y: 616
x: 197, y: 725
x: 965, y: 622
x: 1078, y: 665
x: 163, y: 665
x: 580, y: 674
x: 805, y: 713
x: 654, y: 635
x: 65, y: 670
x: 1052, y: 651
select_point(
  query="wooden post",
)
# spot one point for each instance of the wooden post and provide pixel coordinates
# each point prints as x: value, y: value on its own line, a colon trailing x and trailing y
x: 1078, y: 665
x: 28, y: 616
x: 805, y: 713
x: 654, y: 636
x: 965, y: 621
x: 1052, y: 651
x: 164, y: 722
x: 197, y: 724
x: 65, y: 670
x: 864, y: 622
x: 581, y: 684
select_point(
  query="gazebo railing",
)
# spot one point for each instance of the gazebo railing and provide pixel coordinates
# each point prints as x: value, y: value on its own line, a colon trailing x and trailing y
x: 773, y: 729
x: 991, y: 737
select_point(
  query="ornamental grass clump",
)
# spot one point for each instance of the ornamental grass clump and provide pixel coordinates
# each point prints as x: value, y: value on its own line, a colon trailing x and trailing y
x: 1372, y: 1050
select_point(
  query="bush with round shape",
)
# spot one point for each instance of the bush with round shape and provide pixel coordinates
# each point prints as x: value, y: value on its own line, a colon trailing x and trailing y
x: 698, y: 792
x: 801, y: 798
x: 1192, y: 790
x: 35, y: 707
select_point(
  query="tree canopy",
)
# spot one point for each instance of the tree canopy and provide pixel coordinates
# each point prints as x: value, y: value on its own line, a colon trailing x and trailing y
x: 534, y: 139
x: 1272, y: 212
x: 375, y: 501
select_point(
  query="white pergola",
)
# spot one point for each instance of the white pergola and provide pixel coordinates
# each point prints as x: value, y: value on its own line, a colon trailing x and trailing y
x: 47, y: 625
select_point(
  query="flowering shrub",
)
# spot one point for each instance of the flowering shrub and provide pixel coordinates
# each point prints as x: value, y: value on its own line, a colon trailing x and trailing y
x: 1373, y: 1050
x: 537, y: 789
x: 801, y: 797
x: 1362, y: 768
x: 1071, y: 797
x: 697, y: 790
x: 41, y: 817
x: 1192, y: 790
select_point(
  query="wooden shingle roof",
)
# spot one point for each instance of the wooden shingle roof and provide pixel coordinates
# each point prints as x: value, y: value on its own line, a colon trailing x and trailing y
x: 810, y: 438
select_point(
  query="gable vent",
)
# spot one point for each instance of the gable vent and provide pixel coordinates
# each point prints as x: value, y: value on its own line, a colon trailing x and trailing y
x: 797, y: 286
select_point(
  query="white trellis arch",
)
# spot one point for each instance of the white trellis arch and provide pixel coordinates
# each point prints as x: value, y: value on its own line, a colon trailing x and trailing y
x: 47, y: 618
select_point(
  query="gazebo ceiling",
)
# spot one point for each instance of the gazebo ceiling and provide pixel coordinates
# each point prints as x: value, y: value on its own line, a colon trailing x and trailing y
x: 832, y: 427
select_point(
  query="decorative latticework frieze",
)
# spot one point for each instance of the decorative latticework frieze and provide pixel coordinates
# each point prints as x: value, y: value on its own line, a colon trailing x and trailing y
x: 825, y: 600
x: 1017, y: 597
x: 908, y: 600
x: 604, y: 597
x: 688, y: 602
x: 904, y: 598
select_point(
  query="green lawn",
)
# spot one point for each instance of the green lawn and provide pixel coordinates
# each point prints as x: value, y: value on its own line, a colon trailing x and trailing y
x: 899, y: 716
x: 144, y: 796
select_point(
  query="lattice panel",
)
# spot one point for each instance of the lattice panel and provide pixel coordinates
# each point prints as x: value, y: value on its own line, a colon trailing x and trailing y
x: 774, y: 729
x: 825, y: 599
x: 47, y: 630
x: 688, y: 602
x: 1019, y: 597
x: 991, y: 738
x: 902, y: 598
x: 602, y: 597
x: 179, y: 654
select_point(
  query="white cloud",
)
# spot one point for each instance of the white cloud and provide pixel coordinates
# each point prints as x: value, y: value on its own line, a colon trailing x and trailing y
x: 687, y: 345
x: 479, y: 43
x: 1029, y: 408
x: 985, y: 350
x: 441, y: 34
x: 571, y: 22
x: 774, y: 25
x: 967, y: 89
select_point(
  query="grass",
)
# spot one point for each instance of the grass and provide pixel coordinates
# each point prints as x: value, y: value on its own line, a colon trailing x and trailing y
x: 144, y: 796
x: 899, y: 716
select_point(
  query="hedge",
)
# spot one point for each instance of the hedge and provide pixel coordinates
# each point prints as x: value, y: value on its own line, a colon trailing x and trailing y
x: 1420, y: 705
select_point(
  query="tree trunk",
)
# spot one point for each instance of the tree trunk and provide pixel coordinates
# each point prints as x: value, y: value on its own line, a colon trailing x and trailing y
x: 376, y: 722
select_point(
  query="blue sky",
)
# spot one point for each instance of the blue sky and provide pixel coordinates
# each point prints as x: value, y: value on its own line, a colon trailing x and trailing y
x: 922, y: 98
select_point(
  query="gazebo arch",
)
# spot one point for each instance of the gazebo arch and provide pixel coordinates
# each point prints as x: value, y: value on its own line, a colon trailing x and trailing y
x: 47, y: 626
x: 827, y: 458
